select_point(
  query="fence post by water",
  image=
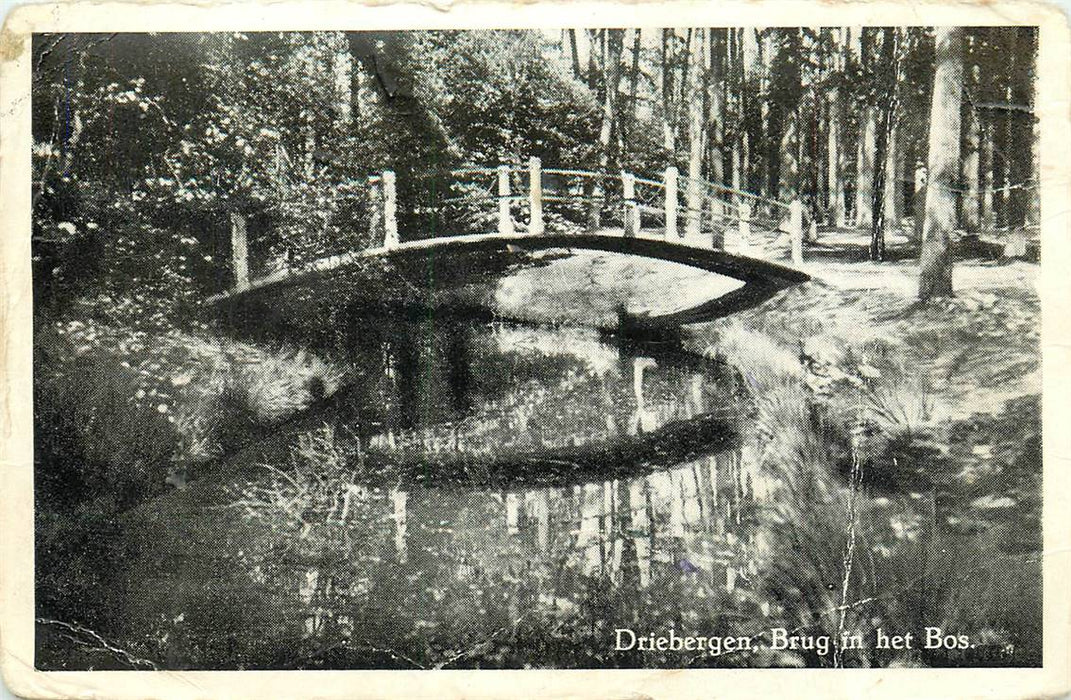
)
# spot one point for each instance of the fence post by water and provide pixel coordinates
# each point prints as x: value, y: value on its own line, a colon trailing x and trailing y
x: 239, y: 251
x: 671, y: 201
x: 795, y: 230
x: 744, y: 245
x: 631, y: 215
x: 505, y: 219
x: 390, y: 211
x: 535, y: 196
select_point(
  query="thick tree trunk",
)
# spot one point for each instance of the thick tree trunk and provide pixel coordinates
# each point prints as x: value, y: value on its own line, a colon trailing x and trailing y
x: 935, y: 274
x: 864, y: 184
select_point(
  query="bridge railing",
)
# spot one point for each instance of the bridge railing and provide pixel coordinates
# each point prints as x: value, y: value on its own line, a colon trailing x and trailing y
x: 527, y: 199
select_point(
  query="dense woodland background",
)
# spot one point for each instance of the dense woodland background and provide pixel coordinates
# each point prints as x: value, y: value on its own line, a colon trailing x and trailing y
x: 147, y: 144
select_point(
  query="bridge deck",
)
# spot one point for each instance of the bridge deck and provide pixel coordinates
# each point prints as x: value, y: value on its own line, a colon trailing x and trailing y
x: 762, y: 278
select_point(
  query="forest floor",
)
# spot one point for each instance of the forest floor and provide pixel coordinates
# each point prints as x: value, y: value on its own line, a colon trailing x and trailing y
x: 974, y: 350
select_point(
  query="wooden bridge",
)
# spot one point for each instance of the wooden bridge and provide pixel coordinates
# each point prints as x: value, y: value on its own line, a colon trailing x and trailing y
x: 711, y: 227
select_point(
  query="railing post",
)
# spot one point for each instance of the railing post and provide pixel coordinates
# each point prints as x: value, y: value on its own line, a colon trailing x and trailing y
x: 375, y: 207
x: 693, y: 215
x: 505, y: 219
x: 671, y: 201
x: 390, y: 211
x: 239, y: 251
x: 795, y: 230
x: 631, y: 215
x: 717, y: 216
x: 535, y: 196
x: 744, y: 246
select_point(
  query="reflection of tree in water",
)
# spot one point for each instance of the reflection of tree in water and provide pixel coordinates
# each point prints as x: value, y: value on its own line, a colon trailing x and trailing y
x: 435, y: 575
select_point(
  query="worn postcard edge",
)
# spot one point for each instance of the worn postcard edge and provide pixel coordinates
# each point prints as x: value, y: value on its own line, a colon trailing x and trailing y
x: 16, y: 419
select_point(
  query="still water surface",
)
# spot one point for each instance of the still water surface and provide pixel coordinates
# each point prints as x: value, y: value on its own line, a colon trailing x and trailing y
x: 512, y: 495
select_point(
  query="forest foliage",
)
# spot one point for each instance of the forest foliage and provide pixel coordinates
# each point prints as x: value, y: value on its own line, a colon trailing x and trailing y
x: 145, y: 145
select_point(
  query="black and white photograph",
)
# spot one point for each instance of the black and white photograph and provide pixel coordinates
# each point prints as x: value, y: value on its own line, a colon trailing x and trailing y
x: 537, y: 348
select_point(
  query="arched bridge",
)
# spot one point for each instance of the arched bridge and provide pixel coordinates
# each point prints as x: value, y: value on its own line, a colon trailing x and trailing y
x: 692, y: 222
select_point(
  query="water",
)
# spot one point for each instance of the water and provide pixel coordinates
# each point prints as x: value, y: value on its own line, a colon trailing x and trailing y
x: 485, y: 494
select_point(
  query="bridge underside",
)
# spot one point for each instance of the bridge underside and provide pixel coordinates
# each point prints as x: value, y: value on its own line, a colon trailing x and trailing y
x: 761, y: 279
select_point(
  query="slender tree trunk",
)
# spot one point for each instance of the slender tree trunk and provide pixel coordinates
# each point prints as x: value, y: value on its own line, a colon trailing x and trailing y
x: 72, y: 134
x: 713, y: 81
x: 634, y: 85
x: 935, y: 274
x: 987, y: 215
x: 669, y: 101
x: 1033, y: 213
x: 771, y: 117
x: 894, y: 172
x: 971, y: 212
x: 838, y: 213
x: 750, y: 109
x: 1020, y: 136
x: 342, y: 70
x: 885, y: 156
x: 612, y: 41
x: 574, y: 54
x: 697, y: 132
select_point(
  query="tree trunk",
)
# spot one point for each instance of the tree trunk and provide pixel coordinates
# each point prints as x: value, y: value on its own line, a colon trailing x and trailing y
x: 342, y: 71
x: 1020, y: 136
x: 987, y: 215
x: 894, y: 171
x: 885, y: 156
x: 935, y: 274
x: 838, y: 213
x: 971, y: 213
x: 574, y: 55
x: 613, y: 41
x: 634, y: 86
x: 713, y: 87
x: 669, y: 102
x: 697, y: 133
x: 750, y: 67
x: 864, y: 187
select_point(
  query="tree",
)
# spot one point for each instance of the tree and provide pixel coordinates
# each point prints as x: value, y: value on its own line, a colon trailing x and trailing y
x: 838, y: 209
x: 866, y: 146
x: 935, y: 274
x: 884, y: 195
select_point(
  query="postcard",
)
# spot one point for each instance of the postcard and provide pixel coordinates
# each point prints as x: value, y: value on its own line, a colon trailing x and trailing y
x: 600, y: 349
